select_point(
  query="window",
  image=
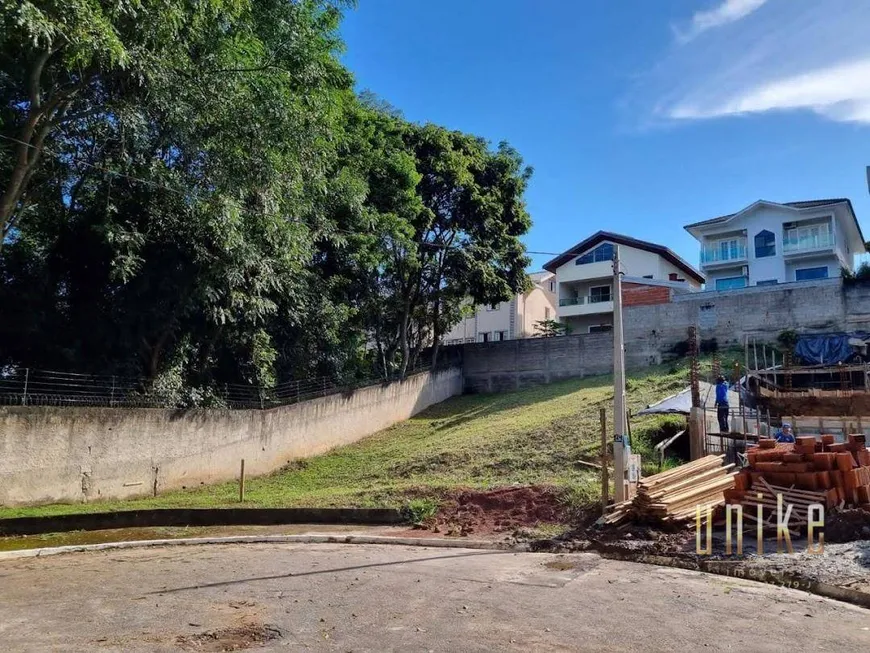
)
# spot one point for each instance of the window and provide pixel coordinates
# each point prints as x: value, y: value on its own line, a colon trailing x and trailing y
x: 767, y: 282
x: 499, y: 336
x: 547, y: 313
x: 649, y: 276
x: 600, y: 328
x: 483, y: 337
x: 811, y: 273
x: 494, y: 307
x: 731, y: 283
x: 765, y: 244
x: 552, y: 286
x: 599, y: 294
x: 601, y: 253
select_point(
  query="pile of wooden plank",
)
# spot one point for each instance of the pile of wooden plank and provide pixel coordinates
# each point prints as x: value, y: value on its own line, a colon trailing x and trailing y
x: 674, y: 495
x: 760, y: 504
x: 839, y: 472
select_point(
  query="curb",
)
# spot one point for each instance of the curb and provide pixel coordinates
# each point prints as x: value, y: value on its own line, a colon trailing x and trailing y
x: 162, y: 517
x: 431, y: 542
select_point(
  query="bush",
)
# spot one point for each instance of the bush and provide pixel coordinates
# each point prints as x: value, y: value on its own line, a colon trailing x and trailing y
x: 421, y: 512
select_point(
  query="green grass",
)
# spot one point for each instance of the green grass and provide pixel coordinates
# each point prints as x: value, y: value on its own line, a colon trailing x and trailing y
x: 476, y: 441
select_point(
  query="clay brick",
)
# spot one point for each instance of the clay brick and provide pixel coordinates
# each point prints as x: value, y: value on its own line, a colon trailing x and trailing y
x: 796, y: 468
x: 823, y: 480
x: 864, y: 494
x: 805, y: 440
x: 832, y: 497
x: 766, y: 443
x: 837, y: 478
x: 851, y: 479
x: 792, y: 458
x: 824, y: 462
x: 827, y: 439
x: 864, y: 457
x: 845, y: 462
x: 806, y: 481
x: 837, y: 448
x: 856, y: 438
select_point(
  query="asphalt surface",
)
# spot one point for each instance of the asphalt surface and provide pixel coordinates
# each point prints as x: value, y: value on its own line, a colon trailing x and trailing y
x: 296, y: 597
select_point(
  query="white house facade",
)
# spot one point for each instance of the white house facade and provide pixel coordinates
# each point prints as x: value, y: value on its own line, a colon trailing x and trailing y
x: 584, y: 276
x: 769, y: 243
x: 509, y: 320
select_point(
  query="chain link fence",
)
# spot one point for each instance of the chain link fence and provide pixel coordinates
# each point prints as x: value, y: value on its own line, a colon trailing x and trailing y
x: 21, y: 386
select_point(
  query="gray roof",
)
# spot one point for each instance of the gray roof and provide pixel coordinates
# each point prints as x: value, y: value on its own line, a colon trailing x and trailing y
x: 805, y: 204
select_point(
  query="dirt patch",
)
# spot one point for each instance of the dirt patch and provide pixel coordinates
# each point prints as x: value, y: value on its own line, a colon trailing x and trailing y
x: 847, y: 525
x: 230, y: 639
x: 501, y: 510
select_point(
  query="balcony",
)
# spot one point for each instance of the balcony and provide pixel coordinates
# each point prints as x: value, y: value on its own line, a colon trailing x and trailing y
x: 723, y: 252
x: 583, y: 305
x: 803, y: 240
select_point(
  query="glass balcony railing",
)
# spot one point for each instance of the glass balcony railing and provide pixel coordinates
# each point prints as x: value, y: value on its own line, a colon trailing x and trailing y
x: 799, y: 240
x: 580, y: 301
x: 724, y: 251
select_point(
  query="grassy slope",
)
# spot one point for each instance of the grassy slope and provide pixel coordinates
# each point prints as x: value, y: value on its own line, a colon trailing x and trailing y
x: 528, y: 436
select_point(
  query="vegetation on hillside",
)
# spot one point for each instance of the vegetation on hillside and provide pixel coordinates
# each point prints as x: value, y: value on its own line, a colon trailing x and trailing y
x: 532, y: 436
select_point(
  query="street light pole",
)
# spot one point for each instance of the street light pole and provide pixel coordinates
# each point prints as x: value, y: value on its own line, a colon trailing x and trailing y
x: 621, y: 446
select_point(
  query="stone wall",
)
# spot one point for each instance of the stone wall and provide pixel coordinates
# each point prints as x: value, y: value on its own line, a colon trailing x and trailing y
x: 654, y: 330
x: 501, y: 366
x: 50, y: 454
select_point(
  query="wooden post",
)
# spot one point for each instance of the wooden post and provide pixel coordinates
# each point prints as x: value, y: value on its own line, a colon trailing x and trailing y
x: 605, y: 484
x: 696, y: 433
x: 242, y: 482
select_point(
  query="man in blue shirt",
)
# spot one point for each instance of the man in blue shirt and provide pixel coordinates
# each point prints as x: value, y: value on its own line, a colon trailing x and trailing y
x: 785, y: 434
x: 722, y: 403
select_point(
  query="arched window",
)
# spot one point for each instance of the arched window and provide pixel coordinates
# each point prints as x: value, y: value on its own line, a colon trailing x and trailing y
x: 765, y: 244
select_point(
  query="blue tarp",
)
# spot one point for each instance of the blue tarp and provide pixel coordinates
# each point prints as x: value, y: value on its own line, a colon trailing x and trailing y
x: 827, y: 349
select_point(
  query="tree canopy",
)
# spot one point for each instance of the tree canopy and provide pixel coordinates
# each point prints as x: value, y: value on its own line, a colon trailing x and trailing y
x: 193, y: 193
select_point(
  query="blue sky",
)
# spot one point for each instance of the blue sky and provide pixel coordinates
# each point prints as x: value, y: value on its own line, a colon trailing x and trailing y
x: 638, y: 116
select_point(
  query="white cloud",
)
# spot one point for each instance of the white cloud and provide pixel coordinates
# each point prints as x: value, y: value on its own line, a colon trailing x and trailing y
x: 727, y: 12
x: 796, y: 55
x: 841, y: 92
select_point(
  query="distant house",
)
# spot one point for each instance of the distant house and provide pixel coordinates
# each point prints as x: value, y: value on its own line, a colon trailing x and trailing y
x: 768, y: 243
x: 509, y: 320
x: 584, y: 275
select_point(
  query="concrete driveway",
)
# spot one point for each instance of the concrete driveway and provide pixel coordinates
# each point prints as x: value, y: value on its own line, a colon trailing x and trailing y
x: 294, y: 597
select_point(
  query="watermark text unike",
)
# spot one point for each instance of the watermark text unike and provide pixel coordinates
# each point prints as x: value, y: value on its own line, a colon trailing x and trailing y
x: 734, y: 522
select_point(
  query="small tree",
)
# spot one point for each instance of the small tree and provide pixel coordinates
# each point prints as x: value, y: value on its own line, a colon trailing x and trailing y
x: 551, y: 329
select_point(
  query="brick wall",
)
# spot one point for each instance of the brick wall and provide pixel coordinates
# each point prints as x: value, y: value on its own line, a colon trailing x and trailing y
x: 636, y: 294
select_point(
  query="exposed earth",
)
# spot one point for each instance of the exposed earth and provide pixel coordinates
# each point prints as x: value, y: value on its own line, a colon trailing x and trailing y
x: 374, y: 598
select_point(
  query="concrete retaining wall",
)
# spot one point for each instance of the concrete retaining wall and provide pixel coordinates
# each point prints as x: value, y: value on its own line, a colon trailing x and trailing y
x: 653, y: 331
x: 52, y: 454
x: 500, y: 366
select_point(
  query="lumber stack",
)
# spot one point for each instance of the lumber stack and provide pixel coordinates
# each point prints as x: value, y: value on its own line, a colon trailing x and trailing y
x: 836, y: 474
x: 675, y: 495
x: 760, y: 504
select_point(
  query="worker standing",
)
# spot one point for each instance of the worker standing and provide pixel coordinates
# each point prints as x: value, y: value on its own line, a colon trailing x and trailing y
x: 722, y: 403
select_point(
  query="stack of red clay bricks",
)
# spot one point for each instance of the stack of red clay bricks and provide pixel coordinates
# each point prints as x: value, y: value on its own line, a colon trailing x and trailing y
x: 840, y: 471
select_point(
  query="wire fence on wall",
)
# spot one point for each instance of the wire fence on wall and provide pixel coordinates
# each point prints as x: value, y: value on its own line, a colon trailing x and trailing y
x: 21, y: 386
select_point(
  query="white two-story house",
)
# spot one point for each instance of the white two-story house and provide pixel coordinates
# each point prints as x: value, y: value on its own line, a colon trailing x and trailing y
x: 769, y: 243
x: 584, y: 276
x: 509, y: 320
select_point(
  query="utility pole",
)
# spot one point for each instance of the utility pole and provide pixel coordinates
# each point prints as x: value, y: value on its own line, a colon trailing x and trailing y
x: 621, y: 445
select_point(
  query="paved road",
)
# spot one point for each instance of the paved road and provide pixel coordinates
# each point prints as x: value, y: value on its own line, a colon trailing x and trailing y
x: 376, y: 598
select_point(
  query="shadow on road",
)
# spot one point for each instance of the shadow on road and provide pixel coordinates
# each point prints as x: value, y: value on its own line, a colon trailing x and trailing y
x: 327, y: 571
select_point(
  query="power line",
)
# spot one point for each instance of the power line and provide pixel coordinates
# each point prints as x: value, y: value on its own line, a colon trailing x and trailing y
x: 195, y: 195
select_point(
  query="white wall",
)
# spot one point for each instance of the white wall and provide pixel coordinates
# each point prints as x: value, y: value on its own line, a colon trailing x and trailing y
x: 50, y: 454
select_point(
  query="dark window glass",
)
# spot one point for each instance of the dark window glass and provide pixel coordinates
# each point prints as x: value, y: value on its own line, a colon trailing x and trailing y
x: 765, y: 244
x: 811, y: 273
x: 603, y: 252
